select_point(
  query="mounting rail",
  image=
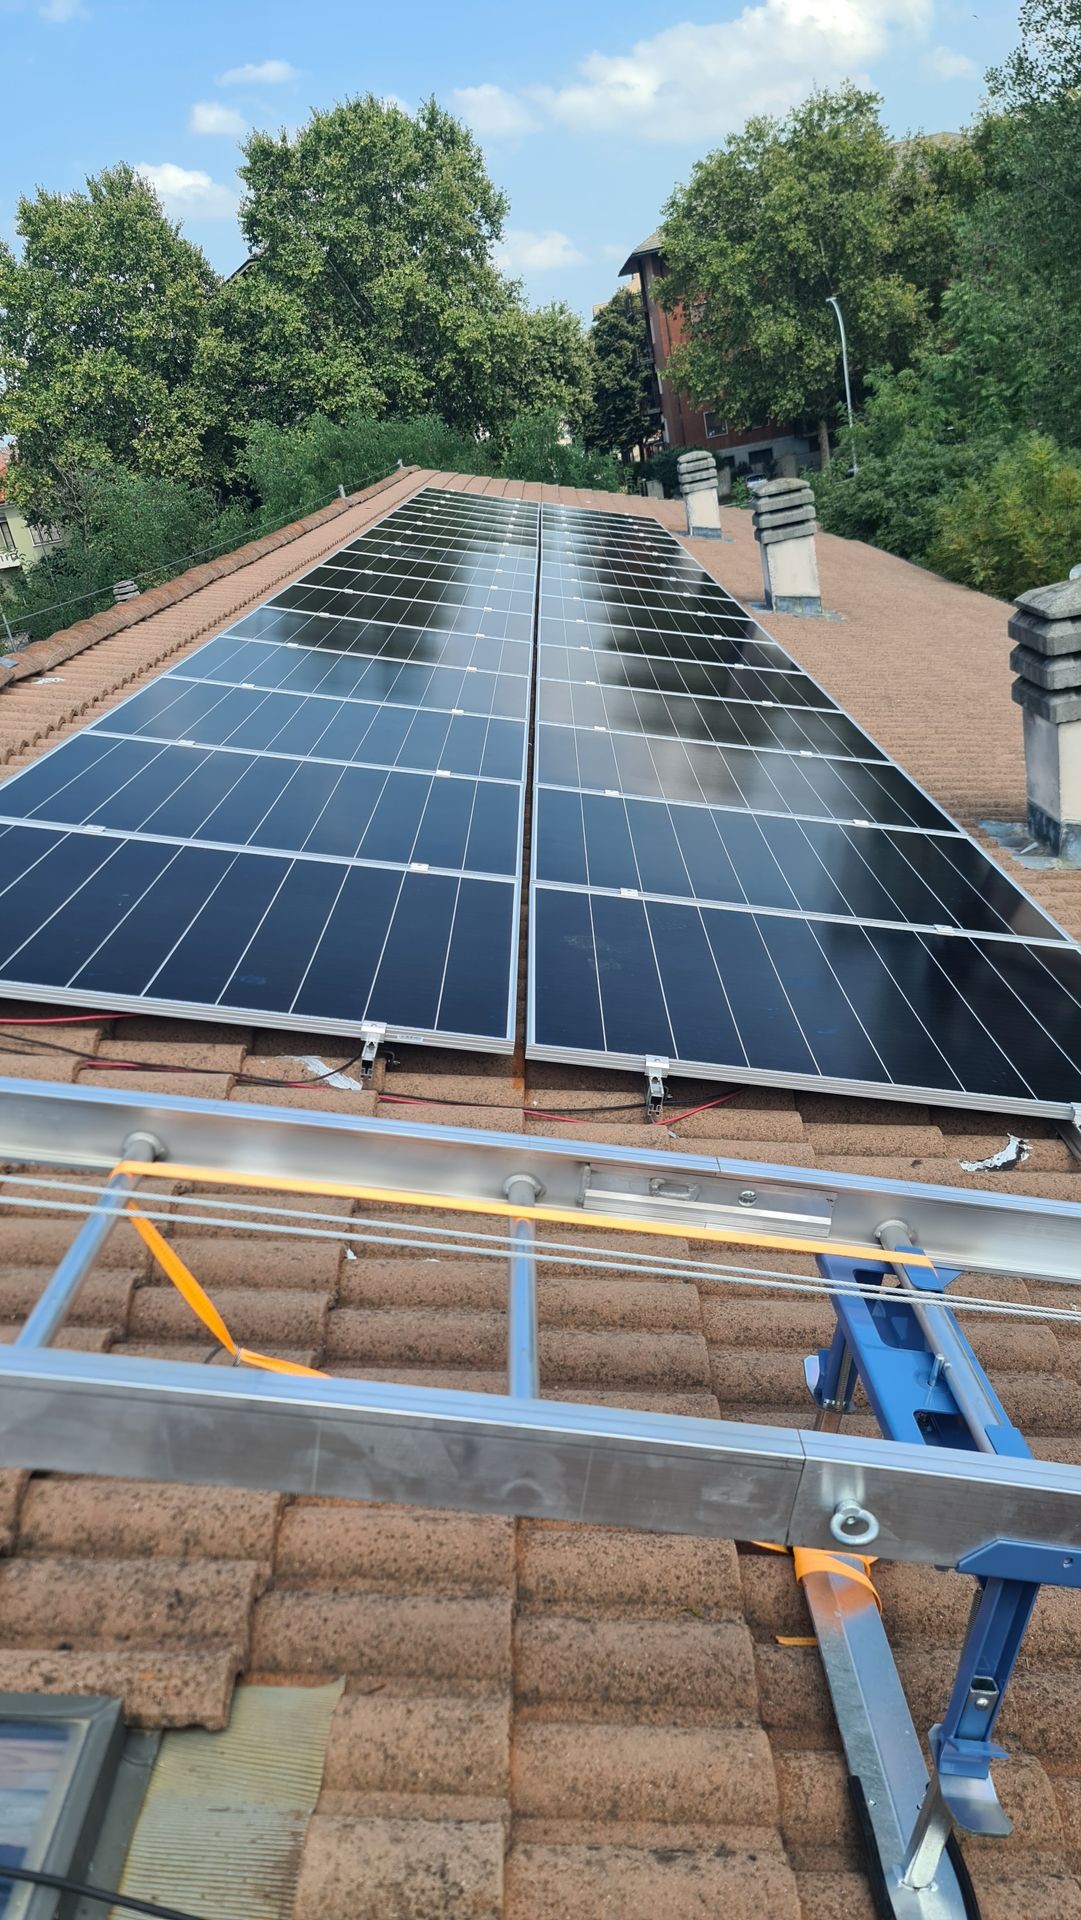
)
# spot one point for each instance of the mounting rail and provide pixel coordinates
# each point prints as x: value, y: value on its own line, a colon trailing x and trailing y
x: 952, y: 1483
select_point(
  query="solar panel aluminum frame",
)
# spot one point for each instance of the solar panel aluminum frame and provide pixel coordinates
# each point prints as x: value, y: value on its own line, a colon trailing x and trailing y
x: 645, y: 1063
x: 236, y: 1013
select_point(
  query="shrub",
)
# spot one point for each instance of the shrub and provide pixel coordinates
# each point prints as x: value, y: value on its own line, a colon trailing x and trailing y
x: 122, y: 526
x: 912, y: 455
x: 1015, y: 526
x: 535, y: 448
x: 295, y: 468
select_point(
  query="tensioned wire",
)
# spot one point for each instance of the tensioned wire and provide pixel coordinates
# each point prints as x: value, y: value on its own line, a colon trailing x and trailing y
x: 294, y: 1222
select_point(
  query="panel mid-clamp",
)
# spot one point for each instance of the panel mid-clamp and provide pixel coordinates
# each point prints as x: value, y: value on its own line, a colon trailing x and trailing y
x: 656, y: 1092
x: 373, y: 1034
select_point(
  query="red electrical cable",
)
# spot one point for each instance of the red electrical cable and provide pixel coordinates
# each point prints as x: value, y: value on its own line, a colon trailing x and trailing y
x: 671, y: 1119
x: 66, y: 1019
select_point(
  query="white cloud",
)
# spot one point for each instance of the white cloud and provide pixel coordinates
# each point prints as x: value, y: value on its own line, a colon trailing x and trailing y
x: 262, y: 73
x: 521, y: 251
x: 213, y: 116
x: 59, y: 11
x: 945, y: 64
x: 493, y: 112
x: 187, y: 193
x: 699, y: 82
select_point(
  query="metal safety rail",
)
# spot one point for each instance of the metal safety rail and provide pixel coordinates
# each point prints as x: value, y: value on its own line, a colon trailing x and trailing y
x: 951, y: 1483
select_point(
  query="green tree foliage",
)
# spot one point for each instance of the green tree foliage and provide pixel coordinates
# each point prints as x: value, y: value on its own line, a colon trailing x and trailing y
x: 371, y: 286
x: 537, y: 447
x: 123, y: 525
x: 624, y: 401
x: 914, y: 450
x: 556, y: 367
x: 1015, y: 525
x: 785, y: 214
x: 104, y: 340
x: 1023, y: 253
x: 292, y: 469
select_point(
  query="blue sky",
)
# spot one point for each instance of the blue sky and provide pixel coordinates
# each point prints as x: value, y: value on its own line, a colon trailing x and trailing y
x: 588, y: 113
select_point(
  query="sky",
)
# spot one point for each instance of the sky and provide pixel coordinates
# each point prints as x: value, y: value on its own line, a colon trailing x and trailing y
x: 589, y: 111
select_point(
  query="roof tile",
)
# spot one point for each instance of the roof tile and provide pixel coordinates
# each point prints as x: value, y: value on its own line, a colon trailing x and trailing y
x: 395, y: 1869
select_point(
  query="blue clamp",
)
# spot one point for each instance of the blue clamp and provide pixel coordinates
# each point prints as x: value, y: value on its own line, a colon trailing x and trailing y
x: 910, y: 1382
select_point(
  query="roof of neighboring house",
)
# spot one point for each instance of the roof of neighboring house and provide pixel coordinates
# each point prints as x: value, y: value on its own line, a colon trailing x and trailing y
x: 546, y: 1720
x: 653, y: 244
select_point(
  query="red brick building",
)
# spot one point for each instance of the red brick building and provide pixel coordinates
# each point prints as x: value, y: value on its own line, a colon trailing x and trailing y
x: 758, y: 448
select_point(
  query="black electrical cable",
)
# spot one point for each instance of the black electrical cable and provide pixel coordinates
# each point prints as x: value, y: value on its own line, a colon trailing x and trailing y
x: 25, y: 1043
x: 62, y: 1884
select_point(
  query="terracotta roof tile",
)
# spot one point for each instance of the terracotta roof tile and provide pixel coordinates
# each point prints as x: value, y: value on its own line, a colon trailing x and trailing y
x: 118, y: 1519
x: 425, y: 1636
x: 158, y: 1688
x: 397, y: 1869
x: 546, y: 1882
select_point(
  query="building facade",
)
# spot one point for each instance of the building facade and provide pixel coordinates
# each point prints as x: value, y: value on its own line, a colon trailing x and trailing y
x: 773, y: 446
x: 20, y: 543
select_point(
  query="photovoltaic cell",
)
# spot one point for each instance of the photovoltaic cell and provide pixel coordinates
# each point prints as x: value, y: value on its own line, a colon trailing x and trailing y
x: 317, y: 817
x: 728, y: 874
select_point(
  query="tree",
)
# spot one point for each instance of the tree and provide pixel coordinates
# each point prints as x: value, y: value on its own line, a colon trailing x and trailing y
x: 371, y: 285
x: 785, y: 214
x: 104, y: 320
x: 624, y: 401
x: 1024, y: 242
x: 557, y: 366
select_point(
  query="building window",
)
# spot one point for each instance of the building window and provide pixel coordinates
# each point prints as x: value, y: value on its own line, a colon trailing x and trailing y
x: 45, y: 536
x: 58, y: 1759
x: 713, y: 425
x: 7, y: 541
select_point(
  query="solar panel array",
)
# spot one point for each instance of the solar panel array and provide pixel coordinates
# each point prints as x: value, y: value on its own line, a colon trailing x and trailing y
x: 315, y: 819
x: 729, y: 874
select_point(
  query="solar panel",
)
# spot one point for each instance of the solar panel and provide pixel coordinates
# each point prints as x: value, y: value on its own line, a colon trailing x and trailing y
x: 730, y: 875
x: 316, y: 819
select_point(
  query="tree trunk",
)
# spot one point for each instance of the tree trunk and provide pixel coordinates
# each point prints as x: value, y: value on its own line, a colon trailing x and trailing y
x: 823, y: 445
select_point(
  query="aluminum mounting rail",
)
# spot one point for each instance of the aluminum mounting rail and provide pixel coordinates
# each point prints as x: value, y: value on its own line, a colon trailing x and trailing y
x: 696, y: 1194
x: 514, y: 1453
x: 953, y: 1484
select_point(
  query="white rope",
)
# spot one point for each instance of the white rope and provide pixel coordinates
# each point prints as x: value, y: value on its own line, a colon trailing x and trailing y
x: 294, y: 1222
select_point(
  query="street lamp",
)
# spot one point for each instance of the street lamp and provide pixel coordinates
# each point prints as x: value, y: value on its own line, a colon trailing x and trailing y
x: 832, y: 301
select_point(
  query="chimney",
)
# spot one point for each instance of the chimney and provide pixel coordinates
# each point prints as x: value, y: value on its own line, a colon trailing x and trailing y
x: 697, y: 472
x: 1047, y: 662
x: 785, y: 527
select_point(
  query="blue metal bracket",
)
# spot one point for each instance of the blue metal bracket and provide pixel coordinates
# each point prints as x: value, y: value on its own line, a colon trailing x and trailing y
x: 924, y: 1384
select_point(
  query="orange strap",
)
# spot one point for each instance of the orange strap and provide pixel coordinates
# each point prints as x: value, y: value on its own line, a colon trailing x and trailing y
x: 544, y: 1216
x: 842, y: 1566
x: 200, y: 1302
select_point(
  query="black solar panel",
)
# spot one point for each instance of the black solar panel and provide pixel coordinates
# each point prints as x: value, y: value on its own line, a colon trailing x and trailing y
x: 730, y: 875
x: 316, y: 821
x: 317, y: 817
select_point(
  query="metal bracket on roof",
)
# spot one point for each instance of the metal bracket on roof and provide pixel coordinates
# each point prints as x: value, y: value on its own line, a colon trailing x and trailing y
x: 374, y: 1033
x: 901, y: 1342
x: 1070, y: 1130
x: 950, y: 1483
x: 656, y: 1092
